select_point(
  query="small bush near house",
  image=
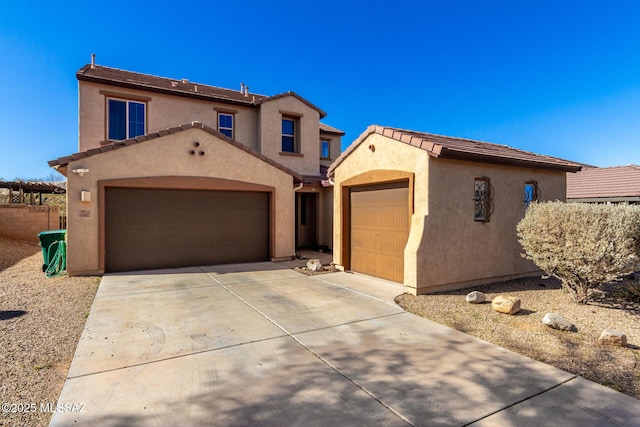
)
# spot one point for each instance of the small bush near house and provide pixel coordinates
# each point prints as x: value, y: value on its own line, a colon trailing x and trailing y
x: 583, y: 245
x: 629, y: 289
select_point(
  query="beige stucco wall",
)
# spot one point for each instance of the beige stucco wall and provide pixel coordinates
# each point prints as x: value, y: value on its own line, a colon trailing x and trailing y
x: 307, y: 161
x: 163, y: 111
x: 453, y: 250
x: 335, y: 142
x: 325, y: 220
x: 447, y: 249
x: 168, y: 156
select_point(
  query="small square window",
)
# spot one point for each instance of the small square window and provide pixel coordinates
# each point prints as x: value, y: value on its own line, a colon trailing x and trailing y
x: 288, y: 135
x: 225, y: 124
x: 324, y: 149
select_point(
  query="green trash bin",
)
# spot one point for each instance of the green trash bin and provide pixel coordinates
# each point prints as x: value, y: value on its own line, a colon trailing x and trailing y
x: 50, y: 242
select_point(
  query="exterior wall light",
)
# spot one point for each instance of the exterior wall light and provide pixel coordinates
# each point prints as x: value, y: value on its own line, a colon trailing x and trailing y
x: 80, y: 171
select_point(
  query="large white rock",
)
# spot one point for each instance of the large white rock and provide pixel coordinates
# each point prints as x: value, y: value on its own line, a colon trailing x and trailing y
x: 476, y: 297
x: 314, y: 264
x: 506, y: 304
x: 612, y: 337
x: 555, y: 321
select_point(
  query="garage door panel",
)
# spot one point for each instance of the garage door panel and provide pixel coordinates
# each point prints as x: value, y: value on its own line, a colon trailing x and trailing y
x: 150, y: 228
x: 379, y: 230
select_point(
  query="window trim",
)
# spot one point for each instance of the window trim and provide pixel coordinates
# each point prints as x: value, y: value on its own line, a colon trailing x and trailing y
x: 127, y: 101
x: 296, y: 126
x: 233, y: 123
x: 328, y: 141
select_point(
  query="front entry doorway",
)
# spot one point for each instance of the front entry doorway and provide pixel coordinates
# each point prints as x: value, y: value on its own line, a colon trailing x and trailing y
x: 306, y: 220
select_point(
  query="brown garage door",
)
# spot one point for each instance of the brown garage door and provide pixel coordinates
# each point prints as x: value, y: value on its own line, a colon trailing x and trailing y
x: 379, y: 229
x: 150, y: 228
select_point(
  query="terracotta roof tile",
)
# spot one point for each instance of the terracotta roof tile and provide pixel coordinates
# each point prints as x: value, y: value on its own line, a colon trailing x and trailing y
x: 593, y: 183
x: 64, y: 161
x: 330, y: 129
x: 462, y: 149
x: 293, y: 94
x: 180, y: 87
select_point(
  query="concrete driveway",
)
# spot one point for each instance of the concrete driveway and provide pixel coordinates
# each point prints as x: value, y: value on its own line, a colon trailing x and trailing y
x: 260, y: 344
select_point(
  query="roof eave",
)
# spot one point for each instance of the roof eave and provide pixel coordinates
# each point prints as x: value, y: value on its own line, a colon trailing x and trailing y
x: 457, y: 155
x: 118, y: 83
x: 63, y: 162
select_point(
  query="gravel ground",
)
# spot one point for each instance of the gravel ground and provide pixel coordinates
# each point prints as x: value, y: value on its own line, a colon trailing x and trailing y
x: 575, y: 352
x: 40, y: 323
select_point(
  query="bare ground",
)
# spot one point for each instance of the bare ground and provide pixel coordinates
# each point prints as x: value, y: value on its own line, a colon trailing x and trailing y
x: 40, y: 323
x: 524, y: 333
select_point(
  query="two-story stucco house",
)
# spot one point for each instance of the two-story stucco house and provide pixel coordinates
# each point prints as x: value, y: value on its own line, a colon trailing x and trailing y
x: 172, y: 173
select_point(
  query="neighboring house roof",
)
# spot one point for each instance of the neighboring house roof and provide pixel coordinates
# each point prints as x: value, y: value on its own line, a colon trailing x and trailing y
x: 330, y: 129
x: 62, y: 162
x: 621, y: 183
x: 462, y: 149
x: 179, y: 87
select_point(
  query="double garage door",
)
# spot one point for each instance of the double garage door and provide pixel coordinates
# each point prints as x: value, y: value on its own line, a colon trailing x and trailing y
x: 153, y: 228
x: 379, y: 222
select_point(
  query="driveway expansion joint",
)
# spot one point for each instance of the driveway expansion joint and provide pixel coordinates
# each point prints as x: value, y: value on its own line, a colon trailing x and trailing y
x: 521, y: 401
x: 318, y: 356
x: 179, y: 356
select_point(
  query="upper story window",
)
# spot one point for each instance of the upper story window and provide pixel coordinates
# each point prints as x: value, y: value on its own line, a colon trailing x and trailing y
x: 225, y: 124
x: 289, y: 135
x: 126, y: 119
x: 324, y: 149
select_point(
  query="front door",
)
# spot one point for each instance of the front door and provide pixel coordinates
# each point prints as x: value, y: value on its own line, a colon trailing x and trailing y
x: 306, y: 220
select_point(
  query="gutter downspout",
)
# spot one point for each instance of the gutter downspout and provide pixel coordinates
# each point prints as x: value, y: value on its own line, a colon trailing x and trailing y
x: 299, y: 187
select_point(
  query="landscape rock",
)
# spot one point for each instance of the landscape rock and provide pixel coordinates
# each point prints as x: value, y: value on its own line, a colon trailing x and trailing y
x: 612, y: 337
x: 506, y: 304
x: 555, y: 321
x: 476, y: 297
x: 314, y: 264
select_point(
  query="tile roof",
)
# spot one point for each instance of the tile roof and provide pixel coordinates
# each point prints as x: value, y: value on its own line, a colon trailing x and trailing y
x: 317, y: 180
x: 462, y: 149
x: 612, y: 182
x: 330, y: 129
x: 62, y: 162
x: 179, y: 87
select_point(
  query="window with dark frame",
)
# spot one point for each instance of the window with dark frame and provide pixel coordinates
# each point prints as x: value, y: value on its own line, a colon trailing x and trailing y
x: 531, y: 193
x: 481, y: 198
x: 288, y: 135
x: 225, y: 124
x: 324, y: 149
x: 126, y: 119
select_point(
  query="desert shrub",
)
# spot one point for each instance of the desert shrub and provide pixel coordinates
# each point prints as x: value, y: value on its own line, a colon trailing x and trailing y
x: 629, y: 289
x: 583, y: 245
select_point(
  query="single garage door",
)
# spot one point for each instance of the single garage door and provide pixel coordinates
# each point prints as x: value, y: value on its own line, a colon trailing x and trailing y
x: 379, y: 229
x: 150, y: 228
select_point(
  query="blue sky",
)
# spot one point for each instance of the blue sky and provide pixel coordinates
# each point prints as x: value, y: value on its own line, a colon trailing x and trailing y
x: 560, y: 78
